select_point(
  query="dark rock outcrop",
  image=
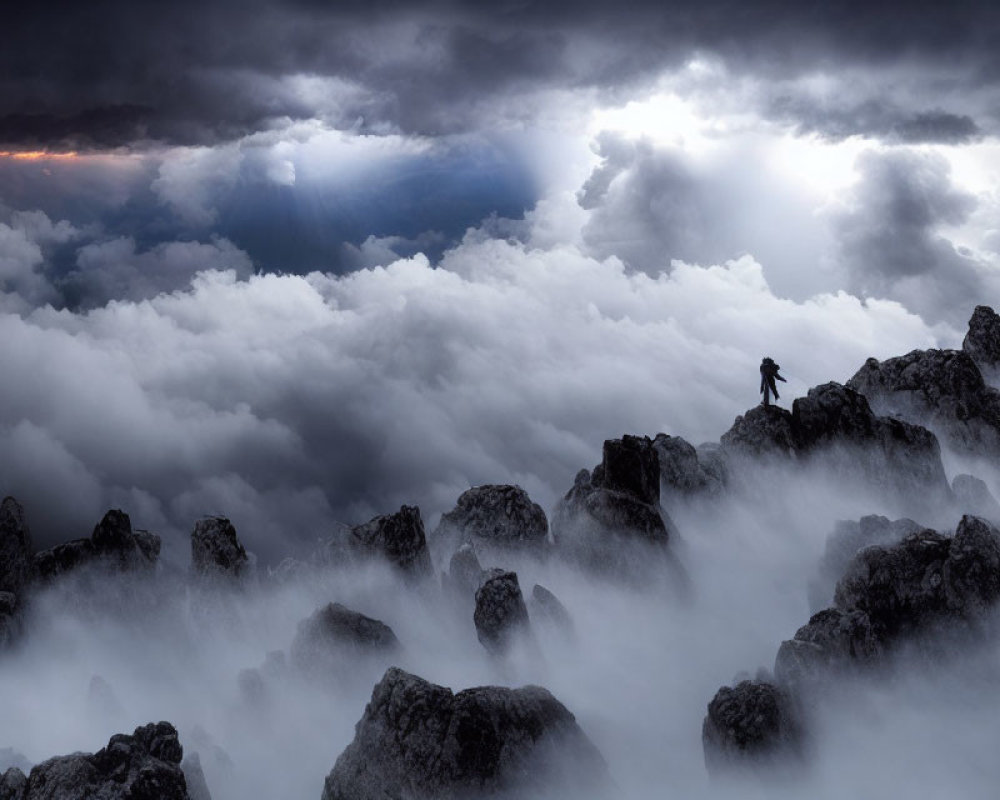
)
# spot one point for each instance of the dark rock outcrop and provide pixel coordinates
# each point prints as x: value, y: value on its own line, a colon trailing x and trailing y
x: 613, y: 508
x: 748, y: 723
x: 216, y: 551
x: 941, y: 389
x: 500, y: 614
x: 982, y: 342
x: 686, y: 471
x: 398, y: 538
x: 113, y: 544
x: 761, y: 431
x: 418, y: 741
x: 834, y: 426
x: 335, y: 635
x: 849, y: 537
x: 143, y: 766
x: 889, y: 593
x: 496, y: 516
x: 16, y: 550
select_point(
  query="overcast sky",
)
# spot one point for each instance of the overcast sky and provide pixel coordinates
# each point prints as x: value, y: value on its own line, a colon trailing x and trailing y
x: 302, y: 262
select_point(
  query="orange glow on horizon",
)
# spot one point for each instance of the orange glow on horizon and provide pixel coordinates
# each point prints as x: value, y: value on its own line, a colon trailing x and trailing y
x: 37, y: 155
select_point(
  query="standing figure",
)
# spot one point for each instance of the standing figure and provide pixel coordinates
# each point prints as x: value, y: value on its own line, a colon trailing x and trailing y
x: 768, y: 374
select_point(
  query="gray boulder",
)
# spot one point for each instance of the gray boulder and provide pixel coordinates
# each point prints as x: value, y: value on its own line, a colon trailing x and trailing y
x: 496, y: 516
x: 216, y: 551
x: 16, y: 551
x: 13, y: 784
x: 334, y: 636
x: 982, y: 342
x: 418, y: 741
x: 143, y: 766
x: 397, y: 538
x: 750, y: 724
x: 546, y: 607
x: 763, y: 431
x: 685, y: 471
x: 10, y: 619
x: 501, y: 615
x: 833, y: 640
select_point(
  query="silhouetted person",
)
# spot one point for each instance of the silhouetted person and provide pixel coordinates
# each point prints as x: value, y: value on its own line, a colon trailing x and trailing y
x: 768, y: 374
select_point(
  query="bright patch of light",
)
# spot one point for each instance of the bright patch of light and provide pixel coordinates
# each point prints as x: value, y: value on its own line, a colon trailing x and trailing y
x: 664, y: 118
x: 822, y: 167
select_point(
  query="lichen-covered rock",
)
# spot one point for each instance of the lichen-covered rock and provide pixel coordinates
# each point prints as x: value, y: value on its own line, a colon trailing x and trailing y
x: 419, y: 741
x: 685, y: 471
x: 143, y: 766
x: 943, y: 390
x: 335, y: 635
x: 16, y: 550
x: 496, y: 516
x: 216, y: 549
x: 113, y: 545
x: 398, y: 538
x: 500, y: 614
x: 982, y: 342
x: 749, y: 724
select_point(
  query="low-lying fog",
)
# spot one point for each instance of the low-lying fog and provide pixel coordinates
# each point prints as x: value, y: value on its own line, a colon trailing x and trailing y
x: 104, y: 656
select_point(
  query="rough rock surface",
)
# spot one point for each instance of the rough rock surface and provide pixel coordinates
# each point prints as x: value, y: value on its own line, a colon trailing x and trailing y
x: 942, y: 389
x: 849, y: 537
x: 334, y: 635
x: 112, y: 544
x: 399, y: 538
x: 748, y: 722
x: 615, y: 506
x: 418, y: 741
x: 834, y: 425
x: 982, y: 342
x: 16, y: 550
x: 216, y: 550
x: 685, y: 471
x: 500, y: 614
x: 143, y: 766
x: 761, y: 431
x: 496, y: 515
x: 889, y: 592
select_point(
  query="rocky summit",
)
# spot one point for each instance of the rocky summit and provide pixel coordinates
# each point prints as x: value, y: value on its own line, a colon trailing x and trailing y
x: 329, y: 639
x: 496, y: 516
x: 982, y: 342
x: 500, y: 615
x: 216, y: 550
x: 113, y: 544
x: 142, y: 766
x: 419, y: 741
x: 398, y: 539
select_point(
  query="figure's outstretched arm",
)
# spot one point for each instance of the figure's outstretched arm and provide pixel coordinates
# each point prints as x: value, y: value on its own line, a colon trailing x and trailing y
x: 776, y: 375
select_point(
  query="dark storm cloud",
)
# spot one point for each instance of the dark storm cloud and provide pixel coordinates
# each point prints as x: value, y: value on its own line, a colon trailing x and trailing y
x: 876, y: 119
x: 110, y: 73
x: 891, y: 241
